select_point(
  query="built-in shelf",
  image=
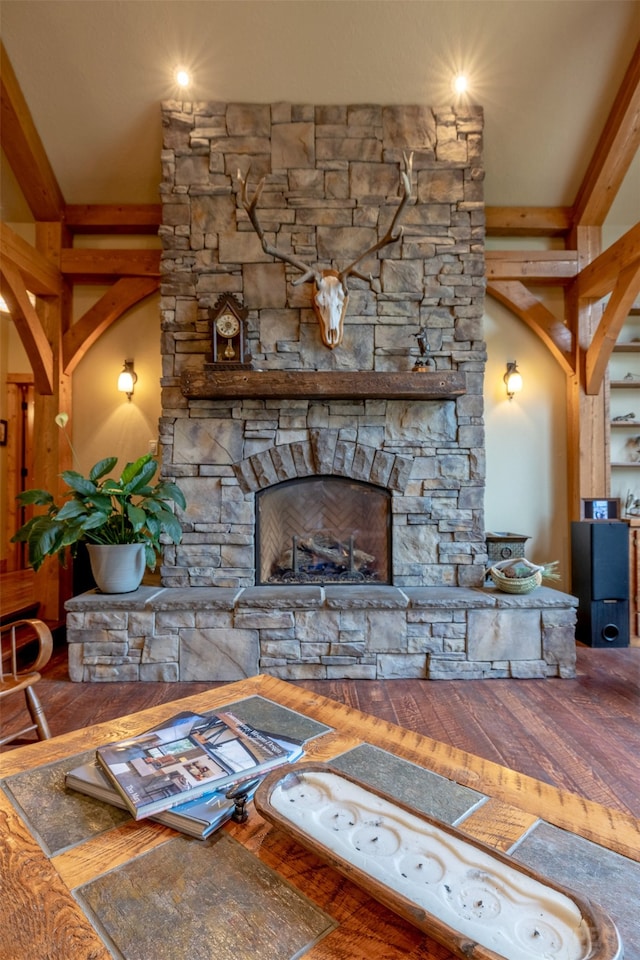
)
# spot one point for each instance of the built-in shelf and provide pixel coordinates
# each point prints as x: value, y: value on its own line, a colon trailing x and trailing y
x: 623, y: 435
x: 319, y: 384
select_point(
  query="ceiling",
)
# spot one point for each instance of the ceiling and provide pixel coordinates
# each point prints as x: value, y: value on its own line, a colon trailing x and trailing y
x: 94, y: 73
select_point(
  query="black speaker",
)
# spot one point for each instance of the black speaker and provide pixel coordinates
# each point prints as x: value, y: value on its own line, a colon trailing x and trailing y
x: 603, y: 623
x: 600, y: 580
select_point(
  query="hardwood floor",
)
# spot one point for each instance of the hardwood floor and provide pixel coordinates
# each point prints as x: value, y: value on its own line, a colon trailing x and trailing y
x: 582, y: 735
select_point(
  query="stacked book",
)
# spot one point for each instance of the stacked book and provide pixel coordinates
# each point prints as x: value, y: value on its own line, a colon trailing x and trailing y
x: 185, y: 772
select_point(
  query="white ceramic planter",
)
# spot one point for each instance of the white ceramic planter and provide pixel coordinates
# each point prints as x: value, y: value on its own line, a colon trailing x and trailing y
x: 117, y: 568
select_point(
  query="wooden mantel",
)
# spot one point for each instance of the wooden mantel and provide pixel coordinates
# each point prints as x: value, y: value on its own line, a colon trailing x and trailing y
x: 319, y: 384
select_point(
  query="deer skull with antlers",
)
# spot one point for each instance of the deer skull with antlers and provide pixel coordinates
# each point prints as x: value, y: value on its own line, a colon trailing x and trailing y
x: 331, y: 293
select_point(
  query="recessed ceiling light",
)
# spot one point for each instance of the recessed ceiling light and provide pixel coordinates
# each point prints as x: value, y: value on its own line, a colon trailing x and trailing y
x: 183, y: 79
x: 460, y: 83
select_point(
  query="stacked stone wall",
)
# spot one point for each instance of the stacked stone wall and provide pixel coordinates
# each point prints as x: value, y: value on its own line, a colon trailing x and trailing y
x: 332, y: 176
x: 366, y: 633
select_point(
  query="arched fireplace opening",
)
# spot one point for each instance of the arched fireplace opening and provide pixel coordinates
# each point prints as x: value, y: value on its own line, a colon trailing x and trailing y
x: 323, y: 530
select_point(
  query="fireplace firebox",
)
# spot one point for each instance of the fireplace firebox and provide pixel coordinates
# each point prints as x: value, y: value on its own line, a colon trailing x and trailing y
x: 323, y: 530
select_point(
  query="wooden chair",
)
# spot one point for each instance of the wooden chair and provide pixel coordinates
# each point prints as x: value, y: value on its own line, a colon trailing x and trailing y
x: 13, y: 680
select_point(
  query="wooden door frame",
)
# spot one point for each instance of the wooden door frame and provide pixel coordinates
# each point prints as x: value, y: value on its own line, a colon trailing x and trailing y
x: 20, y: 391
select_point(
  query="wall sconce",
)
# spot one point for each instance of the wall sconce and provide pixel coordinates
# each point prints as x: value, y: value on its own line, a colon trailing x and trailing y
x: 512, y: 379
x: 127, y: 379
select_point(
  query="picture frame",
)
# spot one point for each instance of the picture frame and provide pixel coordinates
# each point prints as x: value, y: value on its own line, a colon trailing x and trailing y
x: 3, y: 433
x: 600, y: 508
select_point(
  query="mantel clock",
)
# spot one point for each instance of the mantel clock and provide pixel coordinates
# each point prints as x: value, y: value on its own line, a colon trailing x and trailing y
x: 229, y: 334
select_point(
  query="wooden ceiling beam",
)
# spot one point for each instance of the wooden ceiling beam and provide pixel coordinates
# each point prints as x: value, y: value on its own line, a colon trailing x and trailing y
x: 528, y: 221
x: 39, y: 274
x: 616, y: 149
x: 119, y: 298
x: 121, y: 218
x: 616, y: 312
x: 93, y: 265
x: 538, y: 266
x: 554, y: 334
x: 30, y: 330
x: 600, y: 276
x: 23, y: 148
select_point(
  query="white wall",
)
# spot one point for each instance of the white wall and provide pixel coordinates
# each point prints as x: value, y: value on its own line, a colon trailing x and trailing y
x: 526, y: 446
x: 104, y: 422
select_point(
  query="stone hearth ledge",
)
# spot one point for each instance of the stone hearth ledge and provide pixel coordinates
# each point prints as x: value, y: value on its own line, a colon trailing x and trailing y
x: 315, y: 632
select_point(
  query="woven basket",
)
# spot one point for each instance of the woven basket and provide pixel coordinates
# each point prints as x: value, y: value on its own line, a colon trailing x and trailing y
x: 515, y: 584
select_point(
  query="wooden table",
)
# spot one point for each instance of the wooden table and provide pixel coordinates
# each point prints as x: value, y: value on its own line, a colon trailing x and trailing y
x: 41, y: 918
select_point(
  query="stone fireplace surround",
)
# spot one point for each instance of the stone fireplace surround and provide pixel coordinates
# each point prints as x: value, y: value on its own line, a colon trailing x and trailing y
x: 332, y: 175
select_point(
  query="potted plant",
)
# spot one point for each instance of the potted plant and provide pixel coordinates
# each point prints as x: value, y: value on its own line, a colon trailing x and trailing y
x: 121, y: 518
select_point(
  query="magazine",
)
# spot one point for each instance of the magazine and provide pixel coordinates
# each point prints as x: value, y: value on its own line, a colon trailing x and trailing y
x: 190, y: 755
x: 197, y: 818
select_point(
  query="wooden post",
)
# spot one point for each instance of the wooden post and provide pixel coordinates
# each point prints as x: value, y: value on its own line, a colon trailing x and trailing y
x: 587, y: 433
x: 52, y: 453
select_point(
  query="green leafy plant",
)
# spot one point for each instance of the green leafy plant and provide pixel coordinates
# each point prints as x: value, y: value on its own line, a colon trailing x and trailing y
x: 100, y: 509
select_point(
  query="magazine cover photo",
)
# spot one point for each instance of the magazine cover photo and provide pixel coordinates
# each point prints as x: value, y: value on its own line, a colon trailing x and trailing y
x: 191, y: 755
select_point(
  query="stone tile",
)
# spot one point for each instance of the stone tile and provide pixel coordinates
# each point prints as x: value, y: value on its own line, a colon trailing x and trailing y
x: 349, y: 645
x: 415, y: 545
x: 117, y: 673
x: 248, y: 119
x: 94, y: 600
x: 171, y: 621
x: 312, y: 626
x: 528, y: 669
x: 390, y: 667
x: 355, y: 671
x: 419, y: 788
x: 265, y: 283
x: 386, y: 631
x: 292, y: 145
x: 424, y: 644
x: 214, y: 655
x: 140, y: 624
x: 607, y: 878
x: 283, y: 650
x: 159, y: 672
x: 220, y: 619
x: 540, y: 597
x: 443, y: 668
x: 75, y: 662
x: 364, y: 597
x: 197, y: 598
x: 504, y: 635
x: 108, y: 648
x: 264, y: 620
x: 285, y: 597
x: 295, y: 671
x: 170, y: 920
x: 160, y: 649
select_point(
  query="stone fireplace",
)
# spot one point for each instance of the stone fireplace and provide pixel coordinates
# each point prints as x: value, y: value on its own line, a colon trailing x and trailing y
x: 330, y: 191
x: 274, y: 573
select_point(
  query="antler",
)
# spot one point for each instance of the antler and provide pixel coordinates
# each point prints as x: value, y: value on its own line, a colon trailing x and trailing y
x: 309, y: 272
x: 390, y: 236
